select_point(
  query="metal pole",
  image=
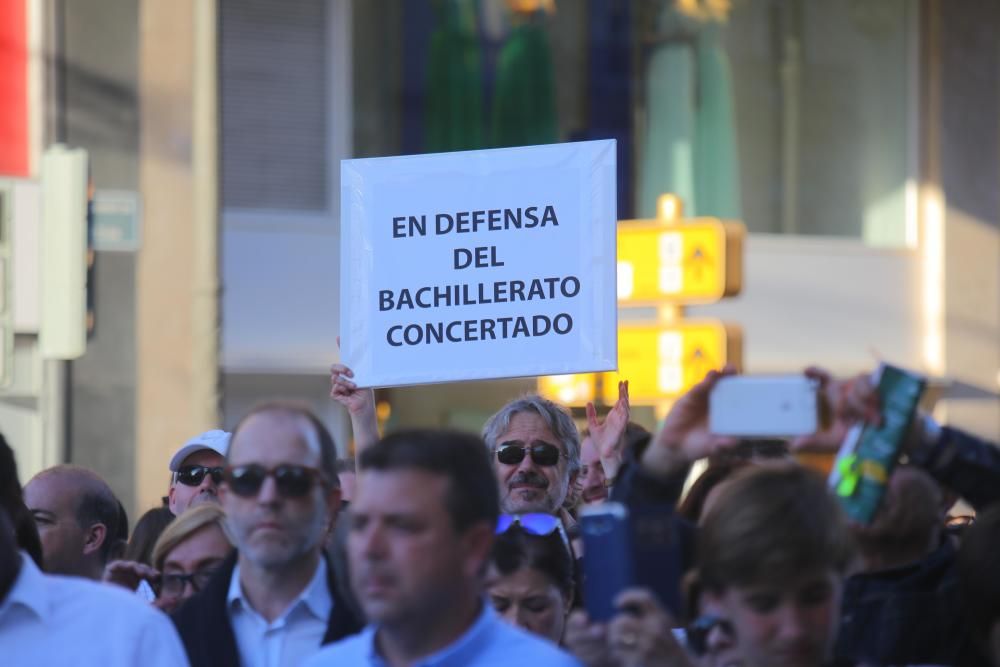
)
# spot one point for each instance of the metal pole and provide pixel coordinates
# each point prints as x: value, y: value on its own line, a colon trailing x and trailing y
x: 55, y: 412
x: 205, y: 177
x: 53, y: 400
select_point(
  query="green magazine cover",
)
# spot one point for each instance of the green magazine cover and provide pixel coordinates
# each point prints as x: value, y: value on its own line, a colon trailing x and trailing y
x: 869, y: 453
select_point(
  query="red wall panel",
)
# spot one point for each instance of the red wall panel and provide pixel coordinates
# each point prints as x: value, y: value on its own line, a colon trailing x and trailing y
x: 14, y: 144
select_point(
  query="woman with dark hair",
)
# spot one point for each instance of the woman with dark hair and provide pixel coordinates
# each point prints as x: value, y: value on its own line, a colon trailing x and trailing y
x: 147, y: 530
x: 530, y: 579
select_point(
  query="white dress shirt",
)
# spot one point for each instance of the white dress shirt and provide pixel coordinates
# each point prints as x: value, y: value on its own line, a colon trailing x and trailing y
x: 52, y: 620
x: 292, y: 637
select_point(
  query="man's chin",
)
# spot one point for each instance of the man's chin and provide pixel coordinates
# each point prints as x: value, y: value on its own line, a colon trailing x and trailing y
x: 204, y: 498
x: 379, y: 610
x: 527, y: 501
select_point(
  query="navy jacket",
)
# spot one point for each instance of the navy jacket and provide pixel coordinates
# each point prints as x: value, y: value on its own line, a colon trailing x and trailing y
x: 203, y: 621
x: 914, y: 614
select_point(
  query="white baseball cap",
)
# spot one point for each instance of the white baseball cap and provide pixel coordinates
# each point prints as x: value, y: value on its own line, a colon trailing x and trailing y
x: 214, y: 440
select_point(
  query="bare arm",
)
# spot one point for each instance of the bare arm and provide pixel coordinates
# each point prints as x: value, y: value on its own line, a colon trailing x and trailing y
x: 360, y: 404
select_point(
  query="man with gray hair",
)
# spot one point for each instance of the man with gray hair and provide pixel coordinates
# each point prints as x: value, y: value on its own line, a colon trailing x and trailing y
x: 536, y: 452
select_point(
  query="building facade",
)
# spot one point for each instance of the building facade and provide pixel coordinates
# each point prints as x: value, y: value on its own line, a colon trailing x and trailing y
x: 858, y: 141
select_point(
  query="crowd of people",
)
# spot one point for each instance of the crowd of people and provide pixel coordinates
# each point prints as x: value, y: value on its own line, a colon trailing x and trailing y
x: 446, y: 549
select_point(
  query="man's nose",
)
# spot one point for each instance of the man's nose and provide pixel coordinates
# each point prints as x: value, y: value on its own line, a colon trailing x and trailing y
x: 527, y: 463
x: 208, y: 484
x: 719, y: 638
x: 369, y: 542
x: 268, y: 493
x: 790, y: 622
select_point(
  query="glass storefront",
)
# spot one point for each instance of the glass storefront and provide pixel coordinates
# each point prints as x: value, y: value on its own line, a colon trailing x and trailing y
x: 792, y: 115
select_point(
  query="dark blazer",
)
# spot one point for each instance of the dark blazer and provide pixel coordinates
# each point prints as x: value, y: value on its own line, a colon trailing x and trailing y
x: 203, y: 621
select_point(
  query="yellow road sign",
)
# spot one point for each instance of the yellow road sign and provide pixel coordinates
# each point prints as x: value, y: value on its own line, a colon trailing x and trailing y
x: 696, y: 261
x: 577, y: 389
x: 663, y: 362
x: 666, y: 261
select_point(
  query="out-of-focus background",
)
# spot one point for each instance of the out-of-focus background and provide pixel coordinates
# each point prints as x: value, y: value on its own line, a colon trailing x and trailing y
x: 857, y: 140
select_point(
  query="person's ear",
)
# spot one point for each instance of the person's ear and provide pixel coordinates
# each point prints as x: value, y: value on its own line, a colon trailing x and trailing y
x: 332, y: 503
x: 477, y: 542
x: 170, y: 499
x: 94, y: 538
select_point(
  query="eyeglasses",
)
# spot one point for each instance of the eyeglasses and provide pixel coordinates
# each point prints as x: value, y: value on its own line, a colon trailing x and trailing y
x: 193, y: 475
x: 172, y: 585
x: 540, y: 525
x: 542, y: 453
x: 292, y: 481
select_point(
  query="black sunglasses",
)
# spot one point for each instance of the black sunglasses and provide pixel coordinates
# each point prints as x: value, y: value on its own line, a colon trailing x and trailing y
x: 193, y: 475
x: 172, y: 584
x: 292, y: 481
x: 542, y: 453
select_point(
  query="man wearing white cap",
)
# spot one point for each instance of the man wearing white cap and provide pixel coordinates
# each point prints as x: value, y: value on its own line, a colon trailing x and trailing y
x: 197, y: 470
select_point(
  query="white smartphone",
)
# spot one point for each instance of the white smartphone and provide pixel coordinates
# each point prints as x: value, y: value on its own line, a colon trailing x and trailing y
x: 764, y: 406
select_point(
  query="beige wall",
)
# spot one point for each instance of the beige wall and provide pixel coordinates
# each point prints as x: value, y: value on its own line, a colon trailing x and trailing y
x: 962, y: 160
x: 176, y: 303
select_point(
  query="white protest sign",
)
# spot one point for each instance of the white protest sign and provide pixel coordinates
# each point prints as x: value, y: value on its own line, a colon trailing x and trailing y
x: 480, y: 264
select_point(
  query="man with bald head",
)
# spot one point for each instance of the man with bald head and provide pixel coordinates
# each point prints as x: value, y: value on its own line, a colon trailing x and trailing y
x: 276, y: 596
x: 78, y: 520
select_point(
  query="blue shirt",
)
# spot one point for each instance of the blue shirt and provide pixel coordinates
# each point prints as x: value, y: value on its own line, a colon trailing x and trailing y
x: 490, y: 642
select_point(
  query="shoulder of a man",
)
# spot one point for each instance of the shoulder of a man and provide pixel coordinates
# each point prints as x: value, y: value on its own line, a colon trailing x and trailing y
x: 514, y: 644
x: 510, y: 645
x: 104, y: 603
x: 87, y: 609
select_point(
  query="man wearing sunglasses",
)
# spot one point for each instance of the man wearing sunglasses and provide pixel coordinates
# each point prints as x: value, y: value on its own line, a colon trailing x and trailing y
x: 536, y: 453
x: 275, y: 601
x: 196, y: 470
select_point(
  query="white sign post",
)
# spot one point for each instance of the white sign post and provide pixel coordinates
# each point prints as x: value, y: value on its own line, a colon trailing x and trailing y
x: 481, y: 264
